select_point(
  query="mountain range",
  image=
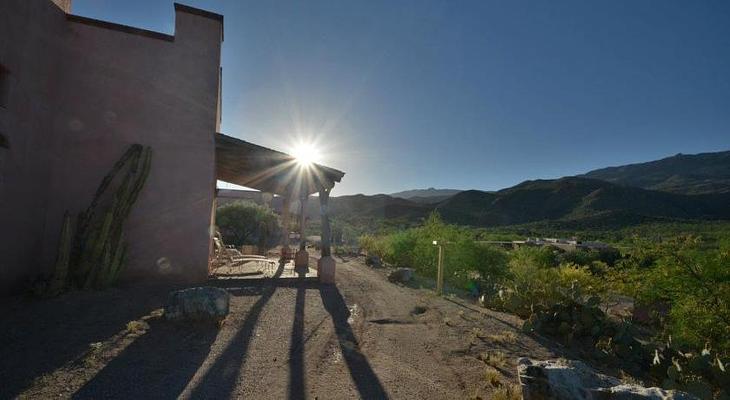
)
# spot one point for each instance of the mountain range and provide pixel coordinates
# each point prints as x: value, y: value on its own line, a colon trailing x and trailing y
x: 426, y: 196
x: 684, y: 174
x: 681, y: 187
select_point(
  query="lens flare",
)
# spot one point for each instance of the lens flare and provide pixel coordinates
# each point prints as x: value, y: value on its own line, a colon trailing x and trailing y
x: 306, y: 154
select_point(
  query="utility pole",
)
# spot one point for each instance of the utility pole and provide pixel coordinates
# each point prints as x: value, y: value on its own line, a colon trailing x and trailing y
x: 440, y: 274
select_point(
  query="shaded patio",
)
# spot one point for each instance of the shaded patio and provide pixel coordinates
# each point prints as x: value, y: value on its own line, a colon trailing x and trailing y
x: 271, y: 171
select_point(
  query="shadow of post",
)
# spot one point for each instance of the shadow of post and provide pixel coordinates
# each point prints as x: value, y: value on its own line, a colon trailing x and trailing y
x: 296, y: 348
x: 366, y: 381
x: 220, y: 380
x: 159, y: 364
x: 40, y: 337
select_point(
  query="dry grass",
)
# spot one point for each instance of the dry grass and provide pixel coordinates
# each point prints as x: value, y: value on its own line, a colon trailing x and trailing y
x: 496, y: 359
x: 137, y: 326
x: 504, y: 337
x: 493, y: 377
x: 508, y: 393
x: 628, y: 379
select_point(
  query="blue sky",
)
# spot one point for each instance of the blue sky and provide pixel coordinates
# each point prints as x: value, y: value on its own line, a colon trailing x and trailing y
x: 467, y: 94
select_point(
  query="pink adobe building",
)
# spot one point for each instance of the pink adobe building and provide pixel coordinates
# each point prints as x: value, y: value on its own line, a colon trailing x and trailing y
x: 77, y: 92
x: 74, y: 94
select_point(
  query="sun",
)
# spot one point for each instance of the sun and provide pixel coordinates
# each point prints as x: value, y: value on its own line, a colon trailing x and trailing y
x: 306, y: 154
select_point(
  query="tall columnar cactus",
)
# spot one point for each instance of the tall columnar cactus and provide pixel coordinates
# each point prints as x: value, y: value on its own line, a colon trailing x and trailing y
x: 60, y: 270
x: 86, y: 217
x: 99, y: 248
x: 103, y: 252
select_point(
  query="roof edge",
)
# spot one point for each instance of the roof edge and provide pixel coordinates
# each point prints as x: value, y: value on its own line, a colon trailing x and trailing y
x: 119, y: 27
x: 337, y: 174
x: 198, y: 12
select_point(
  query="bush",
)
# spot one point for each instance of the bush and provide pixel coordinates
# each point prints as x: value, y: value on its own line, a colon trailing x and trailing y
x: 695, y: 282
x: 243, y: 222
x: 560, y: 294
x: 528, y: 287
x: 540, y: 257
x: 466, y: 262
x: 589, y: 257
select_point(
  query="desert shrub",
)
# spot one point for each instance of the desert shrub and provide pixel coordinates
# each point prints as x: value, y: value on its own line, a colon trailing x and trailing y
x: 465, y: 260
x: 589, y: 257
x: 695, y: 282
x: 540, y: 257
x: 528, y: 287
x: 470, y: 260
x: 243, y: 222
x: 400, y: 248
x: 372, y: 245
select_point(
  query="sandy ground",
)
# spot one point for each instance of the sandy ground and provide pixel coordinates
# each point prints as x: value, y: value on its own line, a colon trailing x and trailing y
x: 364, y: 337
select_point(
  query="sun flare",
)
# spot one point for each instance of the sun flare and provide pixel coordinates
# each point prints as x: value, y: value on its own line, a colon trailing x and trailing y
x: 306, y: 154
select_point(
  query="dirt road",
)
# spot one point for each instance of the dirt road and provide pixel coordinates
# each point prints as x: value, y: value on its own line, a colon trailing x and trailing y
x: 364, y: 337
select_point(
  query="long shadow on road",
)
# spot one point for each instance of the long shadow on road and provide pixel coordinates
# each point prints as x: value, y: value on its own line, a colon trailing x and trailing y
x: 162, y: 362
x: 366, y: 381
x: 159, y: 364
x: 41, y: 336
x: 296, y: 348
x: 220, y: 380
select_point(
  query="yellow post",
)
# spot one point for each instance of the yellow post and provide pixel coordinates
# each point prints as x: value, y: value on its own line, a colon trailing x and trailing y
x: 440, y: 274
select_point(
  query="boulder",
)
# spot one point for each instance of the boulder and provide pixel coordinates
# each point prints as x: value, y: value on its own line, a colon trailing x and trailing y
x: 401, y: 275
x: 373, y: 261
x: 636, y: 392
x: 646, y: 313
x: 197, y: 304
x: 573, y: 380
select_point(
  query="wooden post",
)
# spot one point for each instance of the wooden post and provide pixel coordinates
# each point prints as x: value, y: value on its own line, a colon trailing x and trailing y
x: 440, y: 274
x: 324, y: 196
x: 326, y: 265
x: 301, y: 259
x: 285, y: 205
x: 302, y: 221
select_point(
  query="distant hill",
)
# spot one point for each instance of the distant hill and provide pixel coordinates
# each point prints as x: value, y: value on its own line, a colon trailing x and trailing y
x: 572, y: 201
x: 682, y: 187
x: 426, y: 196
x: 377, y: 206
x: 575, y: 199
x: 685, y: 174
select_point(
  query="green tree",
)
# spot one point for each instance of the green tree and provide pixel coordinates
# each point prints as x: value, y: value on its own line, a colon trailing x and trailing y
x: 696, y: 283
x: 243, y: 222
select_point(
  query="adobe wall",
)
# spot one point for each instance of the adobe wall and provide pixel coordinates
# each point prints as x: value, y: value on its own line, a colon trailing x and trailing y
x: 115, y: 86
x: 31, y: 47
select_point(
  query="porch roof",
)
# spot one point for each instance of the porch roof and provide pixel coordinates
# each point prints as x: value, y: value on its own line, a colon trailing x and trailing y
x: 257, y: 167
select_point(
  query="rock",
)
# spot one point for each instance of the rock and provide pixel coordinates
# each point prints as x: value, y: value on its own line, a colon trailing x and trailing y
x: 418, y: 310
x: 401, y: 275
x: 197, y: 304
x: 373, y: 261
x: 573, y: 380
x: 646, y: 313
x: 636, y: 392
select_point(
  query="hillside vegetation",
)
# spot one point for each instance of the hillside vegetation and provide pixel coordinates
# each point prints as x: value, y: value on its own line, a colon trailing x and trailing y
x: 572, y: 203
x: 686, y: 174
x: 425, y: 195
x: 577, y: 199
x: 679, y: 283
